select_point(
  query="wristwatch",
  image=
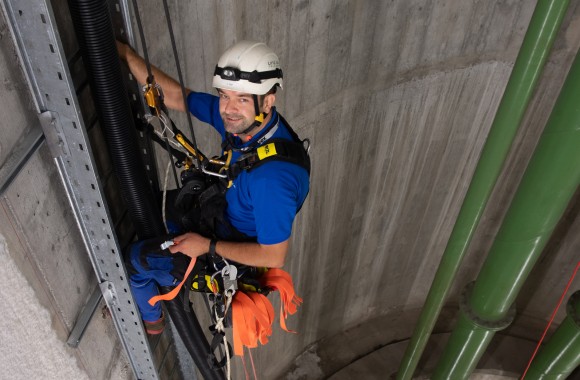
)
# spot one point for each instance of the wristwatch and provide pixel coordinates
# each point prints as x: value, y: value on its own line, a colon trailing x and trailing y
x: 211, y: 252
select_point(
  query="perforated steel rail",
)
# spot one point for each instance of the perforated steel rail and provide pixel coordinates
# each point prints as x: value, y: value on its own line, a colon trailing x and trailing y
x: 39, y: 47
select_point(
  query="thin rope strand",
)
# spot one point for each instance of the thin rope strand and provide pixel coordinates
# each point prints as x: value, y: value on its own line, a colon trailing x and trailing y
x: 245, y: 367
x: 165, y: 197
x: 180, y: 77
x: 163, y: 121
x: 551, y: 320
x: 253, y: 366
x: 142, y: 37
x: 219, y: 326
x: 150, y: 78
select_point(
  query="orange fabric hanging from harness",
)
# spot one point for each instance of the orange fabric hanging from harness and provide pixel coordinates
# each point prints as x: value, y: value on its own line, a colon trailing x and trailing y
x: 252, y: 316
x: 281, y: 281
x: 253, y: 313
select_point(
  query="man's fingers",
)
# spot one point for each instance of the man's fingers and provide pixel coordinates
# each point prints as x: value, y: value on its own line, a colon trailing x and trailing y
x: 175, y: 247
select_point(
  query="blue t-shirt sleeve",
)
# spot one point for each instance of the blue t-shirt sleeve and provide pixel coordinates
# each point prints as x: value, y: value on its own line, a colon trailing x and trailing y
x: 205, y: 107
x: 276, y: 195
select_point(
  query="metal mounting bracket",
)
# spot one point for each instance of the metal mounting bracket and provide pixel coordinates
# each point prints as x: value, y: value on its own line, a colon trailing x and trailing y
x: 84, y: 318
x: 54, y: 134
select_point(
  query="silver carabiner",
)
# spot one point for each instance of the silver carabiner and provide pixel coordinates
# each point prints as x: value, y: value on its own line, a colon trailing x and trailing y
x: 203, y: 169
x: 230, y: 278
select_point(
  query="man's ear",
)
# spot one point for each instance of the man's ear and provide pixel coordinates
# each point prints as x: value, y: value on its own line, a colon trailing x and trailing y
x: 269, y: 101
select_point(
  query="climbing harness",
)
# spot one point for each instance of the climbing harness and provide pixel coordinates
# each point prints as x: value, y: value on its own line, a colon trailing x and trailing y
x: 252, y: 313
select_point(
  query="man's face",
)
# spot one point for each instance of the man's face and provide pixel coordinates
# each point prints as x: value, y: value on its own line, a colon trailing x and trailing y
x: 237, y: 110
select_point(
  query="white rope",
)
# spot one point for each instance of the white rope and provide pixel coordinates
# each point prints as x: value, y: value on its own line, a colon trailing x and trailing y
x: 219, y: 326
x: 166, y: 131
x: 165, y: 196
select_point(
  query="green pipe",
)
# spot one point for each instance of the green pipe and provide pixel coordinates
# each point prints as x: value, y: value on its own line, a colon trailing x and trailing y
x: 531, y: 59
x: 561, y: 355
x: 547, y: 186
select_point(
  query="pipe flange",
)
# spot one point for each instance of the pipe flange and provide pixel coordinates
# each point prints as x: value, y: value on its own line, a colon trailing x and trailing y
x: 465, y: 307
x: 573, y: 308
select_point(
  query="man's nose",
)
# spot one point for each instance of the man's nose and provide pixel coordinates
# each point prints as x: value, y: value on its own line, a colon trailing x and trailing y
x: 230, y: 106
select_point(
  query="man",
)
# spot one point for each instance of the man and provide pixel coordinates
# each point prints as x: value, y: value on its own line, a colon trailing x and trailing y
x: 262, y: 202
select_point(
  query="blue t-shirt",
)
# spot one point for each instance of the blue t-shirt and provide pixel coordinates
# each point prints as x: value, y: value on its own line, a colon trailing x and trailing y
x: 262, y: 203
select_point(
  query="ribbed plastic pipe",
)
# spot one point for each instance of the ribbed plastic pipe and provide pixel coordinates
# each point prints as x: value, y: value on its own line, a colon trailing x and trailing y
x: 94, y: 29
x: 96, y: 39
x: 550, y: 181
x: 529, y: 64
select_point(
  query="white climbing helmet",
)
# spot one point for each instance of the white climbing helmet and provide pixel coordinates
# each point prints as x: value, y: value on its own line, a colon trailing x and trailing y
x: 248, y: 66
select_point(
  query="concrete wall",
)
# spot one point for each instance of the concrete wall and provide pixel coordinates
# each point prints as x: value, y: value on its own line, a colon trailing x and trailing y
x: 397, y: 98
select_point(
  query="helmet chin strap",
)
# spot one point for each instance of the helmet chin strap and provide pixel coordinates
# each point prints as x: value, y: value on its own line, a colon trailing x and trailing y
x: 258, y: 120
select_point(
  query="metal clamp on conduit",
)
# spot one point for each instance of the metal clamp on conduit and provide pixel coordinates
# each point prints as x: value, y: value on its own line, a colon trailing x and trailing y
x: 478, y: 321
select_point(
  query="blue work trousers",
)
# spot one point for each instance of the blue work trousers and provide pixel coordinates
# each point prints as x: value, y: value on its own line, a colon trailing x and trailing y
x: 153, y: 268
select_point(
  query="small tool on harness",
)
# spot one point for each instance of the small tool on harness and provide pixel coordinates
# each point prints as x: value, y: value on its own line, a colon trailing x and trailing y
x: 167, y: 244
x: 229, y: 275
x: 153, y: 95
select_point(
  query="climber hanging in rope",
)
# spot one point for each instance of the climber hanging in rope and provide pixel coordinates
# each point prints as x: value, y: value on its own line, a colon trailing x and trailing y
x: 244, y: 210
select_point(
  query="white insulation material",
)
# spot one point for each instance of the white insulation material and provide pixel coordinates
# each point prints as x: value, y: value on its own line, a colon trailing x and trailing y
x: 29, y: 347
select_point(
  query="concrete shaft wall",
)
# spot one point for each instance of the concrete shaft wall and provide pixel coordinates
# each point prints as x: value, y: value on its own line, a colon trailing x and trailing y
x: 397, y: 98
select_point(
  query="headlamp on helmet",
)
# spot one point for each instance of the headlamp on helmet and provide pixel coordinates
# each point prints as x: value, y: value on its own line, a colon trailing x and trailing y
x: 250, y: 67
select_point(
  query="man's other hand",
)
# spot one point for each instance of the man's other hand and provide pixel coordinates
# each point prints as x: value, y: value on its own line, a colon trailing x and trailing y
x: 190, y: 244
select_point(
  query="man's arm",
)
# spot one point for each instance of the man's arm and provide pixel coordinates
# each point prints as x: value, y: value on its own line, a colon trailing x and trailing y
x: 253, y: 254
x: 171, y: 88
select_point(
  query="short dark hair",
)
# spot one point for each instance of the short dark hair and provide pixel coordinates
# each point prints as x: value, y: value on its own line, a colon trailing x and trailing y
x: 271, y: 92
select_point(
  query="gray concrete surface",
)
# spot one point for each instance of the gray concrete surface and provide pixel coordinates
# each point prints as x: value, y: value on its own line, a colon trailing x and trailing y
x: 380, y: 363
x: 29, y: 331
x: 397, y: 98
x: 31, y: 347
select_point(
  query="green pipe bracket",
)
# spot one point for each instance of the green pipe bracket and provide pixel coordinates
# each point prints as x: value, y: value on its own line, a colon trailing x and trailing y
x: 478, y: 321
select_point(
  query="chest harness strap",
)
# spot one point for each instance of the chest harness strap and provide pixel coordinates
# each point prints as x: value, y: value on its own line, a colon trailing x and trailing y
x: 258, y: 153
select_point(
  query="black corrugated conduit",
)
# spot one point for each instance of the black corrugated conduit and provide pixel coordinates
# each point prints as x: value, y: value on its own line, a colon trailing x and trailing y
x: 94, y: 29
x: 96, y: 39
